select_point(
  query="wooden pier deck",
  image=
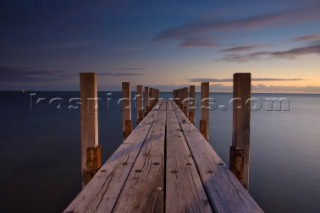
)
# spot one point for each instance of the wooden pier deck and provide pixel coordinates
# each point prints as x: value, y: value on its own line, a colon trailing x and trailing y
x: 164, y: 165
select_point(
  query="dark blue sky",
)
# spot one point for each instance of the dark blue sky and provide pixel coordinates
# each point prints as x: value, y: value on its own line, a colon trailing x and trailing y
x: 45, y: 44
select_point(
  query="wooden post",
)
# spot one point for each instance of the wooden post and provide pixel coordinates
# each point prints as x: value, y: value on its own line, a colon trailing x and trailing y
x: 154, y: 97
x: 139, y: 104
x: 93, y: 161
x: 150, y: 99
x: 180, y: 99
x: 186, y: 101
x: 90, y: 150
x: 146, y: 100
x: 205, y: 110
x: 174, y: 95
x: 192, y: 104
x: 126, y: 109
x: 240, y: 149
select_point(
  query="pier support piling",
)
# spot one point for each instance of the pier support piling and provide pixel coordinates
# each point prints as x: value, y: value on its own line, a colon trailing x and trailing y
x: 126, y: 109
x: 240, y: 149
x: 139, y: 104
x: 90, y: 149
x: 146, y: 100
x: 192, y: 102
x: 186, y: 101
x: 205, y: 110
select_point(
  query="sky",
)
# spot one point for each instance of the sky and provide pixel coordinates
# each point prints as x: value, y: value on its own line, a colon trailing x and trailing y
x: 166, y: 44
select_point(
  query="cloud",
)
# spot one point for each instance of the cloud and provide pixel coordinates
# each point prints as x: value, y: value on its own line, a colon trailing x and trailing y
x: 130, y: 69
x: 240, y: 48
x: 286, y: 89
x: 288, y: 54
x: 65, y: 45
x: 298, y: 51
x: 120, y: 74
x: 212, y: 25
x: 315, y: 37
x: 50, y: 46
x: 231, y: 80
x: 23, y: 74
x: 198, y: 42
x: 261, y: 88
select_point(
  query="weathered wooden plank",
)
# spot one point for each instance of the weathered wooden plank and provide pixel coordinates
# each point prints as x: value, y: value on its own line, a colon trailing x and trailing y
x: 102, y: 192
x: 224, y: 191
x: 143, y: 191
x: 240, y: 150
x: 89, y: 120
x: 184, y: 190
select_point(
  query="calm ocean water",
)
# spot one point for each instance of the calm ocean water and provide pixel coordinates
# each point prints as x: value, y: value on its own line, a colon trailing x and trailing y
x: 40, y: 150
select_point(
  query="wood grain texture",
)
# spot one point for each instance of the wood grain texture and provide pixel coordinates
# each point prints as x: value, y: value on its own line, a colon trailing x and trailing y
x: 151, y: 98
x: 224, y: 191
x: 128, y: 129
x: 143, y: 191
x: 93, y: 161
x: 126, y: 107
x: 203, y: 127
x: 236, y: 162
x: 205, y: 108
x: 146, y: 100
x: 102, y: 192
x: 89, y: 119
x: 192, y: 104
x: 184, y: 190
x: 180, y: 95
x: 241, y: 125
x: 165, y: 165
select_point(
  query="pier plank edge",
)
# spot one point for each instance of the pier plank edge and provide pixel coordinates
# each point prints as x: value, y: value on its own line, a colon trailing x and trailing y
x: 107, y: 184
x: 225, y: 192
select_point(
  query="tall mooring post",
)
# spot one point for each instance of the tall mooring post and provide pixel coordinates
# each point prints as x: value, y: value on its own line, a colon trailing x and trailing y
x: 146, y: 100
x: 126, y: 109
x: 205, y: 110
x: 240, y: 149
x: 180, y: 93
x: 151, y: 98
x: 185, y: 100
x: 90, y: 148
x: 139, y: 104
x: 192, y: 104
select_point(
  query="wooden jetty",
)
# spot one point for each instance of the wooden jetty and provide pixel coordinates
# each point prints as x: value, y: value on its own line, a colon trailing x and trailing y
x: 167, y: 165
